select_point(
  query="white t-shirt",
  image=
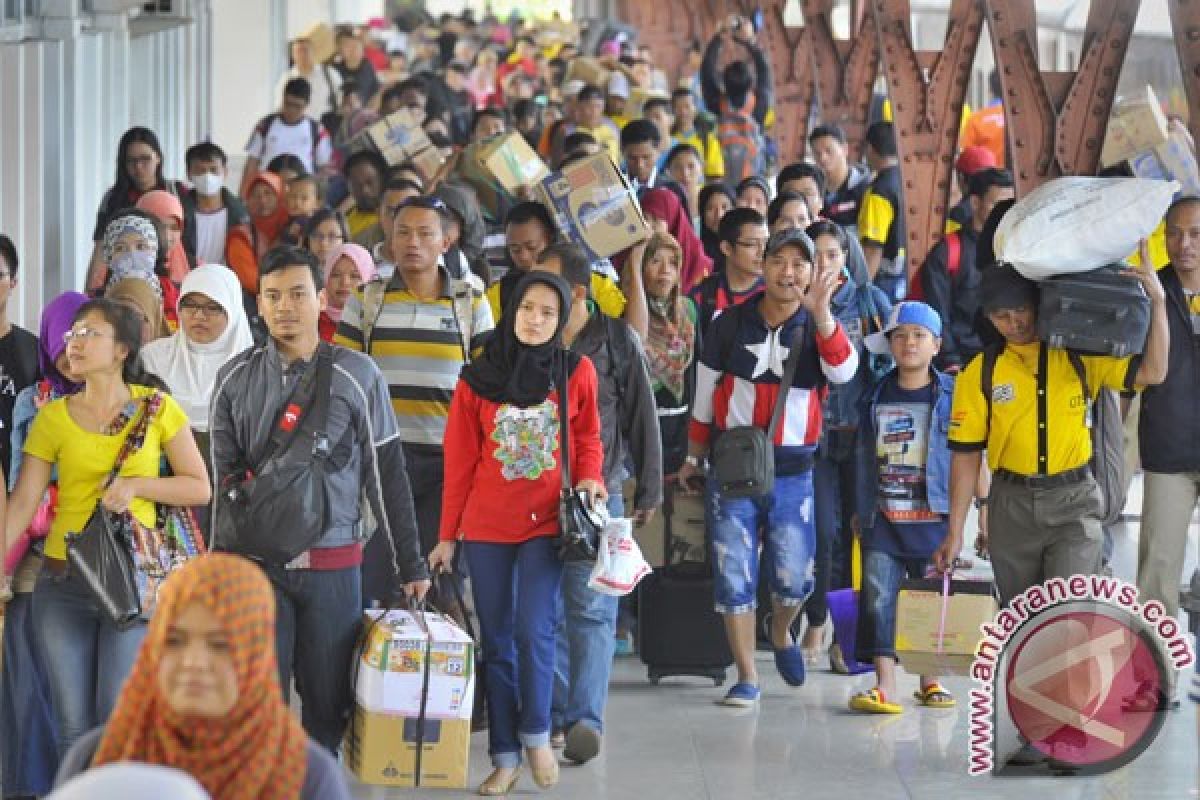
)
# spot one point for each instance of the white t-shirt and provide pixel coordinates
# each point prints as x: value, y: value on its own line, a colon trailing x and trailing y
x: 294, y: 139
x: 322, y: 79
x: 212, y: 228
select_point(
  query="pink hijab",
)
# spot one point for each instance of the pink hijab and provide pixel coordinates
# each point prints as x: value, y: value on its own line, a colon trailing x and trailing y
x: 363, y: 262
x: 164, y: 206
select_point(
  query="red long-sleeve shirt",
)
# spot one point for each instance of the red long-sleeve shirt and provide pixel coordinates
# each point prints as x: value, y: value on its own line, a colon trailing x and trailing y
x: 502, y: 477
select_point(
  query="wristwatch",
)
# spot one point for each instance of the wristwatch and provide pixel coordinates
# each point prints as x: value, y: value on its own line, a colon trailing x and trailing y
x: 693, y: 461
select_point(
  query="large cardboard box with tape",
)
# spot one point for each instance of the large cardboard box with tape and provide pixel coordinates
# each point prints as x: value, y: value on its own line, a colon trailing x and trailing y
x: 595, y: 206
x: 923, y: 645
x: 391, y: 679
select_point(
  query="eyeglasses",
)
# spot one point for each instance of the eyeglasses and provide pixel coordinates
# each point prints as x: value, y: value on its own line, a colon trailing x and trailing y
x: 326, y: 237
x: 752, y: 244
x: 83, y: 335
x: 207, y: 309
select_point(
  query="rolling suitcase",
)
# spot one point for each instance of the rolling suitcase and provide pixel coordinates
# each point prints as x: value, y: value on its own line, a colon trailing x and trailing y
x: 1101, y: 312
x: 679, y: 633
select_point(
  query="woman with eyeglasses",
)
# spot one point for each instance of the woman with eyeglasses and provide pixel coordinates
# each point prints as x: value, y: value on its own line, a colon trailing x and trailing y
x: 212, y: 329
x: 139, y: 170
x: 87, y: 657
x: 325, y: 232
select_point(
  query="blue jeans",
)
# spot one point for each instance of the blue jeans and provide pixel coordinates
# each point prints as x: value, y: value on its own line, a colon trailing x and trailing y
x: 516, y: 594
x: 28, y: 742
x: 87, y: 659
x: 882, y: 573
x: 587, y: 632
x: 783, y: 522
x: 318, y: 614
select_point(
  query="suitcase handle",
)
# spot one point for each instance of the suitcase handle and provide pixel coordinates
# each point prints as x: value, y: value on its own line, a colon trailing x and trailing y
x: 1070, y: 304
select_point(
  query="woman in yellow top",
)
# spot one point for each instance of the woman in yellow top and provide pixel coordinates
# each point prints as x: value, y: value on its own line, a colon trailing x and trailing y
x: 86, y: 657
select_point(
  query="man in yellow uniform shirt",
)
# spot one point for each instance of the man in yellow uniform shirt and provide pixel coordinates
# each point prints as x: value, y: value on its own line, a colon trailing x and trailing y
x: 1044, y: 503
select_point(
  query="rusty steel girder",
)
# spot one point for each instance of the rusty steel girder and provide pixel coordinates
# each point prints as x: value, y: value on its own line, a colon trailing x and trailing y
x: 1055, y: 121
x: 844, y: 70
x: 927, y: 89
x: 1185, y: 24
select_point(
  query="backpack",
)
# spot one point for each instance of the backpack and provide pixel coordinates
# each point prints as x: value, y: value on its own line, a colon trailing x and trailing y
x: 1103, y: 418
x: 463, y: 294
x: 953, y: 262
x: 314, y: 133
x: 742, y: 145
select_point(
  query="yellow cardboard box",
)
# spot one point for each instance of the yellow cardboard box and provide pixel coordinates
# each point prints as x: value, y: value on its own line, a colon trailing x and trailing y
x: 918, y: 617
x: 381, y: 750
x: 1138, y: 125
x: 596, y: 206
x: 512, y: 162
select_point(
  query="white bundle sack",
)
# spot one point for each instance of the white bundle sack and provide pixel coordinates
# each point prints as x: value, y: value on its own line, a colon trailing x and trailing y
x: 619, y: 561
x: 1077, y: 224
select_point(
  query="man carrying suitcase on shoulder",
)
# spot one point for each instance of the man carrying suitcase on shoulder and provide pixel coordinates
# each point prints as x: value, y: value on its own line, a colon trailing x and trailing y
x: 1044, y: 505
x: 781, y: 347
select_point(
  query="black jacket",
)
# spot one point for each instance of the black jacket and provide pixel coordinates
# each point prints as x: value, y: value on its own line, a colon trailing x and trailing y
x: 1169, y: 424
x: 955, y: 298
x: 237, y: 216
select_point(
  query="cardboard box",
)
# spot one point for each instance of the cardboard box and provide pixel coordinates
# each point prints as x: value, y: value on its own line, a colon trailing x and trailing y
x: 595, y: 206
x: 590, y: 71
x: 512, y: 162
x: 381, y: 750
x: 391, y: 670
x: 493, y: 198
x: 398, y: 137
x: 1170, y: 161
x: 918, y: 616
x: 322, y: 41
x: 1138, y: 125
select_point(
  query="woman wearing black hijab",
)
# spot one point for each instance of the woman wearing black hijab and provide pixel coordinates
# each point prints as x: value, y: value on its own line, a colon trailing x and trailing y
x: 501, y: 502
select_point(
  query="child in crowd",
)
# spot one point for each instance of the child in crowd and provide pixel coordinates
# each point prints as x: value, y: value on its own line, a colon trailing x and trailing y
x: 904, y: 463
x: 304, y: 198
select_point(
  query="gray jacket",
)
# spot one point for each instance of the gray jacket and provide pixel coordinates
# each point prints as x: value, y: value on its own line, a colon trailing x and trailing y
x: 251, y: 390
x: 628, y: 415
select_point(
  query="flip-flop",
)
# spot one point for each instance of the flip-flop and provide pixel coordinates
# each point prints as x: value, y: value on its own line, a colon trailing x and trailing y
x: 873, y: 701
x: 934, y: 696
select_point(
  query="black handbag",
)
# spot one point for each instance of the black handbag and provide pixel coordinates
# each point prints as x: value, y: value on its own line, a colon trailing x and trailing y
x: 743, y: 458
x: 278, y: 510
x: 102, y: 553
x: 578, y: 524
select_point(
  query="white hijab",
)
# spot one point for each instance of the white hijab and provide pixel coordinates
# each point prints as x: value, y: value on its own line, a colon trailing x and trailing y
x: 188, y: 368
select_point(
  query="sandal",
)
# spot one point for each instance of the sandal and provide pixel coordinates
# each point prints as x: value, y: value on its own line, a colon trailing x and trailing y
x: 934, y: 696
x: 492, y: 787
x: 873, y: 701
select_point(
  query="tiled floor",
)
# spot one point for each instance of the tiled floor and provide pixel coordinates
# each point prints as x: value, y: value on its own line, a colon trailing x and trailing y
x: 672, y: 742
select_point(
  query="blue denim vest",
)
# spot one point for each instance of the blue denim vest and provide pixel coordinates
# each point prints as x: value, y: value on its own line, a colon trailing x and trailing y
x: 848, y: 306
x: 937, y: 463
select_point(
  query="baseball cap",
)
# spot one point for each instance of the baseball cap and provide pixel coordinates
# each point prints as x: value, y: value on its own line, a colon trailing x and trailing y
x: 910, y: 312
x: 618, y: 85
x: 781, y: 239
x: 1002, y: 287
x: 573, y: 87
x: 974, y: 158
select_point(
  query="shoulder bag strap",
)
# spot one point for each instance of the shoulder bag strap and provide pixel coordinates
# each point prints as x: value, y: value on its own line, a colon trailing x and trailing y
x: 789, y: 373
x: 564, y: 426
x: 137, y: 434
x: 310, y: 398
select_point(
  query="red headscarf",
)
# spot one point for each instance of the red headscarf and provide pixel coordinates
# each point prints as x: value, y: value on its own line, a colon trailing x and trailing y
x: 268, y: 229
x: 664, y: 204
x: 166, y: 206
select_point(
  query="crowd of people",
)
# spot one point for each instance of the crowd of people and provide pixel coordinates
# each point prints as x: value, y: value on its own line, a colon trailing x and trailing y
x: 457, y: 358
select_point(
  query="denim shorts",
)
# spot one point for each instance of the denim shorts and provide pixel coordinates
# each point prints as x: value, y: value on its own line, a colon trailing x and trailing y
x: 782, y: 522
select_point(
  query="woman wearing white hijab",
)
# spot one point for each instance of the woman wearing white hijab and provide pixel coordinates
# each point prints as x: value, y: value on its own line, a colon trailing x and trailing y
x: 212, y: 329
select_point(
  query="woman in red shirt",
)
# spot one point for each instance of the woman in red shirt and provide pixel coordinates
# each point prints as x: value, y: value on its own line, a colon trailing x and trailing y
x: 501, y: 501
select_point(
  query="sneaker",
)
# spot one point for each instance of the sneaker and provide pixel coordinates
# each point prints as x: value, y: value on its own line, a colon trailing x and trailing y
x: 790, y: 663
x: 742, y: 695
x: 582, y: 743
x: 624, y: 646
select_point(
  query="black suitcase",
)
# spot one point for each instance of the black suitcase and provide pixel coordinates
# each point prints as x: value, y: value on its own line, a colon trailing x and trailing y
x: 1102, y: 312
x: 679, y: 633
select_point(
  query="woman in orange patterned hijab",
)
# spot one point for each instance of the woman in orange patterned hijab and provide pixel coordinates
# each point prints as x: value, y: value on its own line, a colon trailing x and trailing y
x: 204, y: 694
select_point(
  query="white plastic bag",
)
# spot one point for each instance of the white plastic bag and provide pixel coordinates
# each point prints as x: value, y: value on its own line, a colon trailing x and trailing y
x: 619, y: 561
x: 1077, y: 224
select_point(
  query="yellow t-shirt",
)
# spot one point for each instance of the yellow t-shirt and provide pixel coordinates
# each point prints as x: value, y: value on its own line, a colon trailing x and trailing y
x: 1012, y: 441
x: 1157, y: 243
x: 606, y: 136
x: 875, y: 218
x: 84, y: 460
x: 608, y: 296
x: 710, y: 152
x: 358, y: 221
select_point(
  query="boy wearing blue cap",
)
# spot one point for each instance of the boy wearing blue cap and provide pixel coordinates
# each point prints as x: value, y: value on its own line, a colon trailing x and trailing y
x: 904, y: 463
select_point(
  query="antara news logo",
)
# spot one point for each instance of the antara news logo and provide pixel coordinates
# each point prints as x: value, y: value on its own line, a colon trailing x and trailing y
x: 1074, y: 676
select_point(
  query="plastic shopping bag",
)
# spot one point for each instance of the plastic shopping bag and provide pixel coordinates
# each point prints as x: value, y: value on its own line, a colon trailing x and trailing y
x: 619, y: 561
x: 1076, y: 224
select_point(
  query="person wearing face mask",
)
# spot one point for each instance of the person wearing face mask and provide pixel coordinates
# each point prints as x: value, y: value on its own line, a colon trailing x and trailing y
x: 210, y: 211
x: 135, y: 246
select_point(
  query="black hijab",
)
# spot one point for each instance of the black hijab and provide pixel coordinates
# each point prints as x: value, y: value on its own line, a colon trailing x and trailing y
x: 509, y: 371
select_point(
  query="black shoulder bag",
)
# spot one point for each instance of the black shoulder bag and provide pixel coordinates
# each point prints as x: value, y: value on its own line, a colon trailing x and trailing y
x: 743, y: 458
x: 578, y: 525
x: 279, y: 509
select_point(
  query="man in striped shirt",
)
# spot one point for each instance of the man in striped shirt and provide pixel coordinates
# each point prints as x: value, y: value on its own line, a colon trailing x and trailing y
x: 737, y: 382
x: 420, y: 327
